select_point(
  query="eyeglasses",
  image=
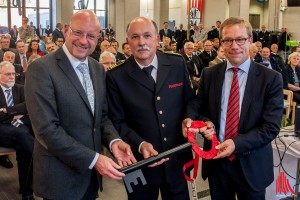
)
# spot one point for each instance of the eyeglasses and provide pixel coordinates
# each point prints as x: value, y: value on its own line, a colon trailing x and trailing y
x: 238, y: 41
x: 9, y: 74
x: 89, y: 36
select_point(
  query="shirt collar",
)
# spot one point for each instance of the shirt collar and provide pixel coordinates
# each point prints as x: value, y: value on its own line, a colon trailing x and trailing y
x: 154, y: 63
x: 4, y: 88
x: 244, y: 66
x: 74, y: 61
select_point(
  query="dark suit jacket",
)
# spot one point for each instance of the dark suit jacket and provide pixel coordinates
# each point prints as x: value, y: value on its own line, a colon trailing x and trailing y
x: 67, y: 133
x: 2, y: 51
x: 212, y: 34
x: 195, y: 61
x: 206, y: 58
x: 288, y: 76
x: 48, y: 32
x: 162, y: 34
x: 259, y: 124
x: 141, y: 112
x: 264, y: 38
x: 57, y: 34
x: 120, y: 56
x: 19, y: 107
x: 274, y: 64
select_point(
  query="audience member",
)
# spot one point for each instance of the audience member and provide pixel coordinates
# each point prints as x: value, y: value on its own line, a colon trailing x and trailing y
x: 141, y: 110
x: 5, y: 43
x: 57, y: 33
x: 180, y: 36
x: 165, y: 32
x: 48, y: 31
x: 220, y: 57
x: 207, y: 55
x: 291, y: 76
x: 276, y: 57
x: 68, y: 110
x: 26, y: 32
x: 253, y: 51
x: 40, y: 31
x: 51, y: 47
x: 108, y: 60
x: 267, y: 61
x: 119, y: 55
x: 240, y: 101
x: 264, y: 36
x: 34, y: 48
x: 282, y: 47
x: 9, y: 56
x: 126, y: 50
x: 14, y: 33
x: 59, y: 42
x: 15, y: 127
x: 109, y: 31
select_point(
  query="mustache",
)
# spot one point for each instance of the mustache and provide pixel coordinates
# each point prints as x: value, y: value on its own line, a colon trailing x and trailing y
x: 143, y: 48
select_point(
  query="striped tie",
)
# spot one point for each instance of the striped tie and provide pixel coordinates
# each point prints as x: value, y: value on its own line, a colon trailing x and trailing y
x: 87, y: 83
x: 232, y: 116
x: 10, y: 103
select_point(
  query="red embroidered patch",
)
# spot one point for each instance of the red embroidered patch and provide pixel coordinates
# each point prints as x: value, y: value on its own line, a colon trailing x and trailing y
x: 176, y: 85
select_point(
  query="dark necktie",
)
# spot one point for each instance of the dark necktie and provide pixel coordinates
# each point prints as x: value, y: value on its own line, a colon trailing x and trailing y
x: 232, y: 116
x: 147, y: 71
x: 10, y: 103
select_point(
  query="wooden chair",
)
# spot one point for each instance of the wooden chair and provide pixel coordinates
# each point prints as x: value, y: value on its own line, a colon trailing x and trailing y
x: 287, y: 104
x: 293, y: 111
x: 6, y: 151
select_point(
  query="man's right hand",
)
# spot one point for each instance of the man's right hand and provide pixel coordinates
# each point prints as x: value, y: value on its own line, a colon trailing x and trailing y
x: 148, y: 151
x: 107, y: 167
x: 207, y: 131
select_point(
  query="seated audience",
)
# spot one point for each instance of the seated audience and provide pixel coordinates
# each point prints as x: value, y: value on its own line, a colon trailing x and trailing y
x: 220, y: 57
x: 253, y: 51
x: 291, y: 76
x: 207, y: 55
x: 119, y: 55
x: 59, y: 42
x: 33, y: 48
x: 20, y: 71
x: 126, y: 50
x: 267, y: 61
x: 51, y: 47
x: 108, y: 60
x: 15, y: 126
x: 276, y: 57
x: 5, y: 43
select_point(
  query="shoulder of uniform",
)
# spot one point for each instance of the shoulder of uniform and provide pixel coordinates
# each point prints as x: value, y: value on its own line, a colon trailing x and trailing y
x: 118, y: 64
x: 172, y: 53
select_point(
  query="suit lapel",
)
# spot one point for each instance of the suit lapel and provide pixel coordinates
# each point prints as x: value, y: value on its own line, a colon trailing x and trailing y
x: 219, y: 77
x: 2, y: 98
x: 164, y: 67
x: 249, y: 91
x: 65, y: 65
x: 135, y: 72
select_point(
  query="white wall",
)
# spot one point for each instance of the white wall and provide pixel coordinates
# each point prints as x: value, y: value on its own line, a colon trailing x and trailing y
x: 291, y: 19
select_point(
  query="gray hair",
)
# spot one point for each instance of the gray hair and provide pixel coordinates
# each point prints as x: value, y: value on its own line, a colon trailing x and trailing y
x: 107, y: 54
x: 188, y: 43
x: 293, y: 55
x: 6, y: 64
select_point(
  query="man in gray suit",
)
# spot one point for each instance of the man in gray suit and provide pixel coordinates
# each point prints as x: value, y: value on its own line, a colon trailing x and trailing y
x: 67, y: 105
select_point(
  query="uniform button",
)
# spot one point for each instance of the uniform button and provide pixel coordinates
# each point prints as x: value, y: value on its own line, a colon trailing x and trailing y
x: 158, y: 98
x: 160, y: 112
x: 163, y: 125
x: 165, y: 139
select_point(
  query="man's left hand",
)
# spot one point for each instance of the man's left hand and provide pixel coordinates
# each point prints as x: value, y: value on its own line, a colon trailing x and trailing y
x: 226, y: 148
x: 122, y: 152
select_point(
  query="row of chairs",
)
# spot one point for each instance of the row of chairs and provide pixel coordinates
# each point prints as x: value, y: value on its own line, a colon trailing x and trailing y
x: 289, y: 105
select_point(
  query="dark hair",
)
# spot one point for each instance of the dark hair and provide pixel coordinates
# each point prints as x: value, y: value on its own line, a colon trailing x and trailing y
x: 29, y: 46
x: 123, y: 45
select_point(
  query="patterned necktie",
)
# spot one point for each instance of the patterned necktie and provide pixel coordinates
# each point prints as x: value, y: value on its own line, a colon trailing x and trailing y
x: 147, y: 71
x: 10, y: 103
x: 87, y: 83
x: 24, y: 63
x: 232, y: 116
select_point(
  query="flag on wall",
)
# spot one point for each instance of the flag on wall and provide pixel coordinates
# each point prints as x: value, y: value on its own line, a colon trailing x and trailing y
x: 195, y: 10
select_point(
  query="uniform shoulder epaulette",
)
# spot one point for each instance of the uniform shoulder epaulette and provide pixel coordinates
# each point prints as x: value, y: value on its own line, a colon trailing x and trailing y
x: 172, y: 53
x: 119, y: 63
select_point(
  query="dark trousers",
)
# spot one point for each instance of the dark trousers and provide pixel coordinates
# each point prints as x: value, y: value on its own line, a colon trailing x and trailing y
x: 21, y: 139
x: 227, y: 181
x: 176, y: 190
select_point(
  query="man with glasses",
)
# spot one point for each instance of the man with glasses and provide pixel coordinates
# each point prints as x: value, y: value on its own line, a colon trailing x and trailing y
x: 241, y: 101
x: 68, y: 110
x: 15, y: 126
x: 25, y: 31
x: 208, y: 54
x: 5, y: 41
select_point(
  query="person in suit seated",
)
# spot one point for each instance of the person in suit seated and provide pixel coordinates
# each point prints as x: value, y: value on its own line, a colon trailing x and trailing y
x: 165, y: 32
x: 68, y: 109
x: 245, y: 117
x: 126, y: 50
x: 220, y: 57
x: 268, y: 61
x: 291, y: 76
x: 51, y: 47
x: 208, y: 54
x: 57, y: 33
x: 119, y: 55
x: 5, y: 43
x: 276, y: 57
x: 264, y: 36
x: 15, y: 126
x: 20, y: 73
x: 253, y: 51
x: 193, y: 63
x: 141, y: 110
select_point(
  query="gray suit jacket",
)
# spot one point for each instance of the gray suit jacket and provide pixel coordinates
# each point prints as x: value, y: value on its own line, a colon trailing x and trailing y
x: 67, y: 134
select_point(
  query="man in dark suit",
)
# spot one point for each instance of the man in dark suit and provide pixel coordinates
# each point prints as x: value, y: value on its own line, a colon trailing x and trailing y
x: 241, y: 101
x: 5, y: 42
x: 15, y: 126
x: 208, y: 54
x: 268, y: 61
x: 14, y: 33
x: 68, y: 110
x: 264, y: 36
x: 180, y: 36
x: 119, y: 55
x: 48, y: 30
x: 57, y: 33
x: 146, y: 108
x: 165, y: 32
